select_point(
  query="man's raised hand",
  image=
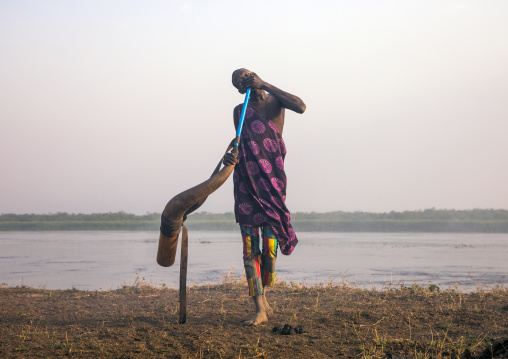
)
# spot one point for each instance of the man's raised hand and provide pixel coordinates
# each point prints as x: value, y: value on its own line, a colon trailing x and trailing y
x: 253, y: 82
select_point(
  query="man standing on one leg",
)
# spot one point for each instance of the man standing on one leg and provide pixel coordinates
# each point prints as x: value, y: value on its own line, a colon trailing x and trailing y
x: 260, y: 184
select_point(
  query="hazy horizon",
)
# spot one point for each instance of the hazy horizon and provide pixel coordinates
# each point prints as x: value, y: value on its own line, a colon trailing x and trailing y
x: 200, y: 211
x: 119, y: 106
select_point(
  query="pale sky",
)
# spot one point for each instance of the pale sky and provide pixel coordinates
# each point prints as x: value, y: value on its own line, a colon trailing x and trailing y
x: 120, y: 105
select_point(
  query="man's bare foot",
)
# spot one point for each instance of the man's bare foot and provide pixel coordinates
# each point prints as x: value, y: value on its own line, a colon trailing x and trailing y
x: 259, y: 317
x: 268, y: 309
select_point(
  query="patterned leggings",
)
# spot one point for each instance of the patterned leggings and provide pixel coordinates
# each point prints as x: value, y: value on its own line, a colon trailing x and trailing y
x: 259, y: 265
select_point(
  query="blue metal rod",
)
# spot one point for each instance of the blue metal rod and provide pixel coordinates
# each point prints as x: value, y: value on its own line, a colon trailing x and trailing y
x: 242, y: 116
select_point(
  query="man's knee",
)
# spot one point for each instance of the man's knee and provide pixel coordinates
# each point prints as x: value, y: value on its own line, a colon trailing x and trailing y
x: 250, y: 238
x: 270, y: 243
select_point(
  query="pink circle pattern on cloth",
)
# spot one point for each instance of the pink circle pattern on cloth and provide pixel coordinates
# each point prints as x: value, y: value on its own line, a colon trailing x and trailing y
x: 260, y: 181
x: 270, y: 144
x: 265, y: 202
x: 243, y: 188
x: 253, y: 168
x: 272, y: 214
x: 273, y: 127
x: 282, y: 145
x: 276, y: 201
x: 245, y: 208
x: 257, y: 126
x: 277, y: 184
x: 265, y: 165
x: 253, y: 147
x: 279, y: 162
x: 259, y: 218
x: 249, y: 112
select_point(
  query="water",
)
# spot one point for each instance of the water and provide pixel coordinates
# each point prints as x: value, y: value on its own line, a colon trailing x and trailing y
x: 94, y: 260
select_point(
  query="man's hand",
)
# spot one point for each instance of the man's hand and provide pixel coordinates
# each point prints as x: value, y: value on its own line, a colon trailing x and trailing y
x: 253, y: 81
x: 230, y: 159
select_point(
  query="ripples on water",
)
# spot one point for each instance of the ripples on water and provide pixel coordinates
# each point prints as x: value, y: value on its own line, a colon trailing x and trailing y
x: 93, y: 260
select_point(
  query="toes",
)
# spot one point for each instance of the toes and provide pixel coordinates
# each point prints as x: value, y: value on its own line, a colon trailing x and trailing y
x: 258, y: 319
x: 250, y: 322
x: 257, y: 322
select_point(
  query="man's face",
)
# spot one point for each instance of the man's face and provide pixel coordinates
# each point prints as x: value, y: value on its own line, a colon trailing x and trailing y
x: 238, y: 78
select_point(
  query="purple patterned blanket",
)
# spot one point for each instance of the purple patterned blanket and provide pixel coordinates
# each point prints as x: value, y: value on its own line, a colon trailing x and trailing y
x: 260, y: 181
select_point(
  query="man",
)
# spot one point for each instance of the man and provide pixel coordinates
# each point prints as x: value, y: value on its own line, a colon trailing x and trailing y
x: 260, y: 184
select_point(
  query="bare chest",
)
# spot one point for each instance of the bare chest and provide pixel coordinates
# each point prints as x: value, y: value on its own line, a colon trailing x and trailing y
x: 272, y: 111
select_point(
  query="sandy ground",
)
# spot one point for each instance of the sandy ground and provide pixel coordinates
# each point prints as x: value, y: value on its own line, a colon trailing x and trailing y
x: 140, y: 321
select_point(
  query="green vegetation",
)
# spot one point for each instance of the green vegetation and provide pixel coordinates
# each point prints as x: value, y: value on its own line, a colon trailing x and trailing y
x: 429, y: 220
x: 66, y: 221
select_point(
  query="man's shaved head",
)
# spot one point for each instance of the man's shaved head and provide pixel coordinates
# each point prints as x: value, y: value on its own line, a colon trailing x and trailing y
x: 237, y: 73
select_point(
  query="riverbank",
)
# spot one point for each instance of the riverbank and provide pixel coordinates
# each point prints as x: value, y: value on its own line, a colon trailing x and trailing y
x: 339, y: 320
x: 429, y: 221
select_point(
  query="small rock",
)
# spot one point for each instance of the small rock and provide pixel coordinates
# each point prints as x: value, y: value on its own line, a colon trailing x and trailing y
x: 275, y: 329
x: 292, y: 331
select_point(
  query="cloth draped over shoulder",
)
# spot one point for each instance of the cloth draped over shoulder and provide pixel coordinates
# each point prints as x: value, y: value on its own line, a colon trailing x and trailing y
x: 260, y: 180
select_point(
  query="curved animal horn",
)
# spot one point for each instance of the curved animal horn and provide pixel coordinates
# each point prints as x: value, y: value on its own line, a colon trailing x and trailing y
x: 177, y: 209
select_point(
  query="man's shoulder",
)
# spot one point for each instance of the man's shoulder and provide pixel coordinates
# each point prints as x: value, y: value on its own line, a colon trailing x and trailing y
x: 238, y: 108
x: 236, y: 112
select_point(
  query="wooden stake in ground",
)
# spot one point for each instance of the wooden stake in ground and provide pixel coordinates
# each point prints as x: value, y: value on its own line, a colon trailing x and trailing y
x: 183, y: 276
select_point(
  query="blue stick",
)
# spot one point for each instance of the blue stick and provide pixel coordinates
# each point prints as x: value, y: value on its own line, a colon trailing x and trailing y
x: 242, y: 117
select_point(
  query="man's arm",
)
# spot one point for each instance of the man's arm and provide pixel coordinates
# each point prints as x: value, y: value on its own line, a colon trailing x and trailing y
x: 229, y: 158
x: 287, y: 100
x: 236, y: 116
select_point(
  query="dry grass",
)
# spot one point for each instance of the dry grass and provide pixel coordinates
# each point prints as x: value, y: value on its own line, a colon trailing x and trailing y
x: 140, y: 320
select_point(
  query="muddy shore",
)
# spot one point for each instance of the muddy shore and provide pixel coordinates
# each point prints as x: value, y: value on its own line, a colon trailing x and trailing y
x: 140, y: 321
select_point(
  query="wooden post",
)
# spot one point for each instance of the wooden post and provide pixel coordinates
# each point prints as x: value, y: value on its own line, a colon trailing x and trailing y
x: 183, y: 276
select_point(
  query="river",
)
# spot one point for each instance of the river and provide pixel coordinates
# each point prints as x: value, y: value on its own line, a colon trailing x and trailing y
x: 92, y: 260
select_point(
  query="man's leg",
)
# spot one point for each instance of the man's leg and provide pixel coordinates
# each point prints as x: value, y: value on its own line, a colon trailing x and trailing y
x: 252, y: 264
x: 268, y: 259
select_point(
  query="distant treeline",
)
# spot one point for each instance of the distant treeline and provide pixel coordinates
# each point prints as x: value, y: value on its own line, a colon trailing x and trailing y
x: 429, y: 220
